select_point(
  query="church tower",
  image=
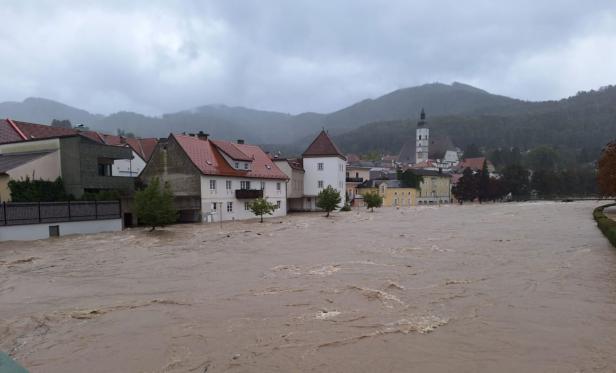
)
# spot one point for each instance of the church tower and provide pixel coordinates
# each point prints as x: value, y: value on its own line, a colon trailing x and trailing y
x: 422, y: 140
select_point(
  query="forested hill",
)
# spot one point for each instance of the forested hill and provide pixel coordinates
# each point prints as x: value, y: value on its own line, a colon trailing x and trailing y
x: 585, y: 121
x: 467, y: 114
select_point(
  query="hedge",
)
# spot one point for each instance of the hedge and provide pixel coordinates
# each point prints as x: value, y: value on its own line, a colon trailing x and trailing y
x: 605, y: 224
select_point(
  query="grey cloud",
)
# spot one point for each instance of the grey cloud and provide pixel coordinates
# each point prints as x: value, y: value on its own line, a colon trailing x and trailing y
x: 293, y: 56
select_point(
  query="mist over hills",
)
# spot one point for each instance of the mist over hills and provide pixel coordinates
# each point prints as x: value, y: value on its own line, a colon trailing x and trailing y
x: 465, y: 113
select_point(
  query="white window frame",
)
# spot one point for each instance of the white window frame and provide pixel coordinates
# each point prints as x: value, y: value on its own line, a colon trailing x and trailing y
x: 229, y: 206
x: 320, y: 166
x: 278, y: 186
x: 213, y: 184
x: 229, y: 184
x: 320, y: 184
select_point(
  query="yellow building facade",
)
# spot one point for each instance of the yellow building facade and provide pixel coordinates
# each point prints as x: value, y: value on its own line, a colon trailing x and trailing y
x: 394, y: 195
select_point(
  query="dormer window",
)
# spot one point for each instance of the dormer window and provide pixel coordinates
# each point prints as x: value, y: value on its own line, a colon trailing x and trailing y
x: 246, y: 166
x: 237, y: 164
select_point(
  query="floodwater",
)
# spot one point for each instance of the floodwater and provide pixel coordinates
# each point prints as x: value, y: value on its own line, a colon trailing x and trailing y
x: 527, y: 287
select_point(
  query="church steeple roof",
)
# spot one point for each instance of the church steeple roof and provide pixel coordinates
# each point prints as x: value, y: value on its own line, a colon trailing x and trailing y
x: 422, y: 118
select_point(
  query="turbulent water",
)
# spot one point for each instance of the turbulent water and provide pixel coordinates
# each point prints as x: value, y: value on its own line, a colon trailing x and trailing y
x: 496, y: 288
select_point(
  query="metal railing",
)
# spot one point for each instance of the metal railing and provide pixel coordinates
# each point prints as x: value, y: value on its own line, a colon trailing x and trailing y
x: 20, y: 213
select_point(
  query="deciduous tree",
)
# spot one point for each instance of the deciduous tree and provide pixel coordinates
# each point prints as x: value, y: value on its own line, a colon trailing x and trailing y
x: 372, y: 200
x: 260, y: 207
x: 154, y: 205
x: 606, y: 177
x: 328, y: 199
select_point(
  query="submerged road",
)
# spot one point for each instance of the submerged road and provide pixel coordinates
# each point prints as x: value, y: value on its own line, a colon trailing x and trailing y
x: 528, y: 287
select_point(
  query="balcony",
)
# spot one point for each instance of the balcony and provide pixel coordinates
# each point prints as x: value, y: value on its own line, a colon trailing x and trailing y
x: 248, y: 193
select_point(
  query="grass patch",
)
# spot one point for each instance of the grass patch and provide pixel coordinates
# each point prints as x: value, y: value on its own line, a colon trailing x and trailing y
x: 605, y: 224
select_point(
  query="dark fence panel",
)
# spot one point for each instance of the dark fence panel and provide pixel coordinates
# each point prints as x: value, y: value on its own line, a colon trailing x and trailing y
x: 19, y: 213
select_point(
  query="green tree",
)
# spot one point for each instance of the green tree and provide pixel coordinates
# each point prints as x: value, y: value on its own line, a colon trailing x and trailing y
x: 472, y: 151
x: 154, y: 205
x: 542, y: 158
x: 328, y: 199
x: 260, y: 207
x: 409, y: 179
x: 606, y: 176
x: 372, y: 200
x: 467, y: 188
x: 483, y: 190
x: 516, y: 180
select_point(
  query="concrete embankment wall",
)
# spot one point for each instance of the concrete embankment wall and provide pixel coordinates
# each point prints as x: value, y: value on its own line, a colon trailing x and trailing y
x: 41, y: 231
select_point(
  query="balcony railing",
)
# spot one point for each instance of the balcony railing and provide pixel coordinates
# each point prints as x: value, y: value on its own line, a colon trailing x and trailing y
x: 248, y: 193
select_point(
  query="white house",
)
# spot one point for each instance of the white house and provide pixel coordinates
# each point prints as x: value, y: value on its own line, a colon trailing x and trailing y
x: 215, y: 180
x: 324, y: 165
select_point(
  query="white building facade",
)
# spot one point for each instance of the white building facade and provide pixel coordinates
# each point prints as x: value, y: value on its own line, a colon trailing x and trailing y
x: 219, y: 197
x: 128, y: 167
x: 324, y: 165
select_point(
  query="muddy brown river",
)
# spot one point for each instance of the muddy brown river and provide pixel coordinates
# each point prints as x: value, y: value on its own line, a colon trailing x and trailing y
x: 527, y: 287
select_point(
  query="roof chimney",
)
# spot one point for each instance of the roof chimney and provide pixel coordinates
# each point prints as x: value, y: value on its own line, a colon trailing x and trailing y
x: 191, y: 134
x: 202, y: 135
x: 240, y: 141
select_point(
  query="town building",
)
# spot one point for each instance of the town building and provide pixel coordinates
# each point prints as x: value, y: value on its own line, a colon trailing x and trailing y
x: 292, y: 167
x: 475, y: 164
x: 435, y: 187
x: 84, y: 164
x: 214, y: 180
x: 393, y: 192
x: 324, y: 165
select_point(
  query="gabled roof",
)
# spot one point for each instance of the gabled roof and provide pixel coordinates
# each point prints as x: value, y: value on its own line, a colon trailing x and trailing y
x: 207, y: 157
x: 13, y: 160
x: 323, y: 146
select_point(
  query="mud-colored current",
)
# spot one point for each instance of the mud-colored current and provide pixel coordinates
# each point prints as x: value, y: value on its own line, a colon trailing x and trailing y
x: 527, y: 287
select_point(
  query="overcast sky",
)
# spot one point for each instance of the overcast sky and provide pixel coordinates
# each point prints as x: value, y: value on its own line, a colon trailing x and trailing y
x: 162, y: 56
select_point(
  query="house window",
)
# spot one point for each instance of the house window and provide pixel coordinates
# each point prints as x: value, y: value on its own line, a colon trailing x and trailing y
x: 246, y: 166
x: 104, y: 169
x: 278, y: 204
x: 213, y: 206
x: 244, y: 185
x: 263, y: 185
x: 247, y: 206
x: 357, y: 175
x: 320, y: 184
x: 278, y: 186
x: 229, y: 206
x: 320, y: 166
x: 212, y: 184
x: 229, y: 184
x: 237, y: 164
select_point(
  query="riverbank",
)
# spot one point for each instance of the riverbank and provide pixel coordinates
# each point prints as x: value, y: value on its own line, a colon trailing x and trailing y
x: 512, y: 287
x: 605, y: 216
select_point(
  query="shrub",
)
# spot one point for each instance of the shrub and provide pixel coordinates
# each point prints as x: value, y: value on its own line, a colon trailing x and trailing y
x: 605, y: 224
x: 346, y: 207
x: 28, y: 190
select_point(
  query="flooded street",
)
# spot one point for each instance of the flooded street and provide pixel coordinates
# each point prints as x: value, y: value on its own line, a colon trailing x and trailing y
x: 527, y: 287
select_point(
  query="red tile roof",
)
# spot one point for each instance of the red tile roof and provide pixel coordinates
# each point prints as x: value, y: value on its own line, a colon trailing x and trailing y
x: 323, y: 146
x: 206, y: 156
x: 13, y: 131
x: 474, y: 163
x: 231, y: 150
